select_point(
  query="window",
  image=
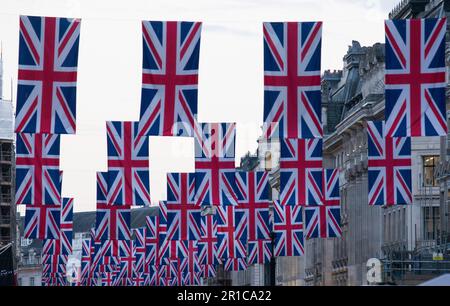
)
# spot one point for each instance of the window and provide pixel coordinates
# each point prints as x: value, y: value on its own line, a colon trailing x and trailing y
x: 268, y: 161
x: 429, y: 165
x: 31, y: 281
x: 431, y: 220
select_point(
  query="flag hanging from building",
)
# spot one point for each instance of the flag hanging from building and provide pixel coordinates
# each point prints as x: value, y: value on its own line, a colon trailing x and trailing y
x: 288, y: 229
x: 169, y: 78
x: 38, y: 179
x: 324, y: 220
x: 415, y: 77
x: 113, y: 222
x: 183, y: 214
x: 128, y: 167
x: 301, y: 171
x: 389, y: 167
x: 214, y: 164
x: 253, y: 200
x: 292, y: 98
x: 47, y: 78
x: 42, y: 221
x: 231, y: 232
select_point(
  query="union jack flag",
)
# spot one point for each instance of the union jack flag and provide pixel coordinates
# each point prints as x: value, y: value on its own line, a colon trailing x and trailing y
x: 102, y: 188
x: 54, y: 264
x: 231, y: 232
x: 235, y: 264
x: 169, y: 77
x: 139, y: 249
x: 301, y: 171
x: 47, y: 78
x: 152, y: 240
x: 189, y: 262
x: 259, y: 251
x: 253, y: 200
x: 389, y: 167
x: 62, y: 245
x: 208, y: 271
x: 38, y: 178
x: 128, y: 175
x: 113, y: 222
x: 207, y: 245
x: 415, y: 77
x: 292, y: 98
x: 85, y: 259
x: 288, y: 229
x: 183, y: 215
x: 127, y: 259
x: 324, y: 220
x: 214, y: 164
x: 42, y: 221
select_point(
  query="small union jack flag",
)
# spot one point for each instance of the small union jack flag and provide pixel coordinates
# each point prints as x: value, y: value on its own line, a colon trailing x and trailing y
x: 128, y: 174
x: 152, y: 239
x: 183, y: 215
x: 208, y: 271
x: 113, y: 222
x: 231, y: 232
x: 127, y: 259
x: 62, y: 245
x: 235, y: 264
x: 389, y: 167
x: 54, y: 264
x: 301, y: 171
x: 207, y: 245
x: 259, y: 251
x: 38, y: 178
x: 169, y: 77
x: 415, y: 77
x: 85, y: 260
x: 214, y: 164
x: 139, y: 249
x: 324, y: 220
x: 253, y: 200
x: 292, y: 98
x: 47, y: 79
x: 42, y: 221
x: 288, y: 229
x: 102, y: 188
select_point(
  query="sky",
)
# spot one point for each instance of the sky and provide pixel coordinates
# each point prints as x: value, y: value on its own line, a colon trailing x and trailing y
x: 230, y: 72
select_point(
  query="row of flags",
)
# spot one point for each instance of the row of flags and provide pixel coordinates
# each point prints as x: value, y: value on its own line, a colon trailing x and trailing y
x: 249, y: 227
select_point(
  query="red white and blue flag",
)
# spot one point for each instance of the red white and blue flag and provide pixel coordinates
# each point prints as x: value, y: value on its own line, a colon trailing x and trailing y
x: 128, y: 167
x: 389, y: 167
x: 324, y: 220
x: 231, y: 232
x: 169, y: 78
x: 235, y: 264
x: 62, y: 245
x: 42, y: 221
x: 259, y: 251
x: 183, y: 214
x: 207, y: 245
x: 301, y: 171
x: 253, y: 199
x: 113, y: 222
x: 38, y: 178
x: 288, y: 229
x: 47, y: 78
x: 214, y: 164
x: 415, y: 77
x: 292, y: 98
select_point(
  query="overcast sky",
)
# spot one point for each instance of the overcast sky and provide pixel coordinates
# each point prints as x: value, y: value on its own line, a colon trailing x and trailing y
x: 230, y: 75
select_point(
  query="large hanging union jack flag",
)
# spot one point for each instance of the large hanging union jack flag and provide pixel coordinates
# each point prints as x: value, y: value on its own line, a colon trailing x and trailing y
x: 389, y: 167
x: 292, y: 99
x: 48, y: 59
x: 324, y: 220
x: 128, y: 174
x: 169, y: 77
x: 253, y: 199
x: 38, y: 178
x: 301, y: 171
x: 288, y: 229
x: 183, y: 215
x: 415, y: 77
x: 214, y: 164
x: 231, y: 232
